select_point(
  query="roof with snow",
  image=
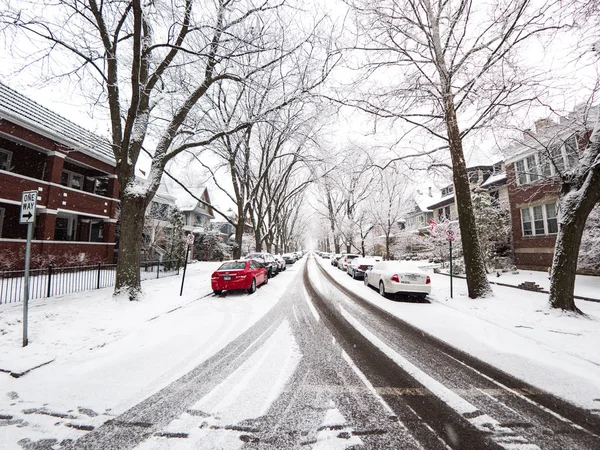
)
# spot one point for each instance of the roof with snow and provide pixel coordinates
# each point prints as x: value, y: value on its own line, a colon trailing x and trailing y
x: 27, y: 113
x: 186, y: 202
x: 442, y: 201
x: 499, y: 178
x: 424, y: 197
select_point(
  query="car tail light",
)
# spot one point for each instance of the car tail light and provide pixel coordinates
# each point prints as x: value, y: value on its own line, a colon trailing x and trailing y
x: 214, y: 275
x: 362, y: 267
x: 428, y: 280
x: 395, y: 278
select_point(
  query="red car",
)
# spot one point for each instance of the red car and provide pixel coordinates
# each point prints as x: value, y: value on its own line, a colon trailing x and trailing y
x: 235, y: 275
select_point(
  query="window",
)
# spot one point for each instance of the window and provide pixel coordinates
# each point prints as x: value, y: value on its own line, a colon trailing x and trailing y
x: 547, y: 163
x: 5, y: 157
x: 473, y: 177
x: 572, y: 151
x: 101, y: 186
x: 447, y: 212
x: 65, y: 229
x: 526, y: 218
x: 447, y: 191
x: 539, y: 220
x: 557, y: 157
x: 551, y: 219
x: 440, y: 213
x: 497, y: 168
x: 532, y: 168
x: 521, y: 174
x: 72, y: 180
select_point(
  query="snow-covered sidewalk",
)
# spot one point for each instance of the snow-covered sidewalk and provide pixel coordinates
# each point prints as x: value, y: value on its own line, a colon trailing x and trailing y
x: 106, y: 355
x: 515, y: 330
x: 587, y: 286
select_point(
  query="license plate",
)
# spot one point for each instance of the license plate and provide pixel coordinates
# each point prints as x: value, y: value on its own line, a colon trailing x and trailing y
x: 411, y: 277
x: 227, y: 278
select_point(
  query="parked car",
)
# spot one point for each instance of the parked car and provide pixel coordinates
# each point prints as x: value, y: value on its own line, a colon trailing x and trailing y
x: 267, y: 260
x: 345, y: 259
x: 326, y: 255
x: 398, y: 277
x: 244, y: 274
x: 358, y: 266
x: 289, y: 258
x: 335, y: 258
x: 280, y: 262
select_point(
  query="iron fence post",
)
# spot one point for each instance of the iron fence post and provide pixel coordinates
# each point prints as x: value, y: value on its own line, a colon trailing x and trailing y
x: 49, y: 286
x: 99, y: 269
x: 158, y: 269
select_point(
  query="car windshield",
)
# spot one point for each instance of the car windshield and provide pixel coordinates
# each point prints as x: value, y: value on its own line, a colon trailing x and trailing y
x: 233, y: 265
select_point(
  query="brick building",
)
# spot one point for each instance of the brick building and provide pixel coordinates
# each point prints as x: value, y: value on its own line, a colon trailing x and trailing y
x: 533, y: 185
x: 73, y: 171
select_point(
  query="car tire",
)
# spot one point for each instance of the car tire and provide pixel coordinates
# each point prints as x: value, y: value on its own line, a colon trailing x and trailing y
x: 266, y: 280
x: 382, y: 290
x: 252, y: 289
x: 269, y: 273
x: 217, y: 292
x: 354, y: 275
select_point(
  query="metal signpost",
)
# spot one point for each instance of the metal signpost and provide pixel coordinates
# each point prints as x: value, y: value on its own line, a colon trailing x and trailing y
x: 190, y: 242
x: 28, y: 204
x: 450, y: 239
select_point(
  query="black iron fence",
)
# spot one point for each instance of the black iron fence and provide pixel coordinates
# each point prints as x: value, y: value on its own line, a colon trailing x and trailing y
x: 66, y: 280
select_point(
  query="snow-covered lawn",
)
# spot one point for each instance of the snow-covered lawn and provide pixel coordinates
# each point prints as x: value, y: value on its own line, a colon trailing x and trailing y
x: 514, y: 330
x: 585, y: 286
x: 105, y: 355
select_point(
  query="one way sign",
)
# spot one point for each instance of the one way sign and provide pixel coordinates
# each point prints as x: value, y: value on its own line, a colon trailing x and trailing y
x: 28, y: 202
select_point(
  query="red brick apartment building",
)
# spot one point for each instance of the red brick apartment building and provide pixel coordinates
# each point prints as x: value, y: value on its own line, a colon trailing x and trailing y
x: 73, y: 171
x: 533, y: 187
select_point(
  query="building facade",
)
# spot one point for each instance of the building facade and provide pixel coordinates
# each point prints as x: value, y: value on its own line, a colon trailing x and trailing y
x: 533, y: 181
x: 73, y: 171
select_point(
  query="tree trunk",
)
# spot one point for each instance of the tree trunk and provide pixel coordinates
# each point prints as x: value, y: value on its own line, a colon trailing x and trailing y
x: 258, y: 239
x: 574, y: 209
x: 362, y: 246
x: 477, y: 282
x: 239, y: 236
x: 130, y: 246
x: 387, y: 247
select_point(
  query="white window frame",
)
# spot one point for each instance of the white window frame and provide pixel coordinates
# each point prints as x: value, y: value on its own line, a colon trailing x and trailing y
x: 544, y: 218
x: 8, y: 160
x: 72, y: 175
x: 538, y: 174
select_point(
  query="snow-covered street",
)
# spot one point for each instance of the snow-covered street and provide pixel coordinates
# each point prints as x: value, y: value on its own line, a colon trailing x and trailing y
x: 314, y: 360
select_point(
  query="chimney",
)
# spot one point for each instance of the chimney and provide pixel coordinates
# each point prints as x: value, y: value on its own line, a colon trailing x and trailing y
x: 542, y: 124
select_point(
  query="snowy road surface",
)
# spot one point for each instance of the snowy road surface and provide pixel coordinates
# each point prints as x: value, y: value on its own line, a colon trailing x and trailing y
x: 326, y: 369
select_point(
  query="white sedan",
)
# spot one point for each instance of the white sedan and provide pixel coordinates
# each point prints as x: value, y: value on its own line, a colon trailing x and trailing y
x: 398, y: 277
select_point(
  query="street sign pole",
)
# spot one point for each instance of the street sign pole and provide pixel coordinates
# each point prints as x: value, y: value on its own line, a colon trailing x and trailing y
x: 190, y: 242
x: 28, y: 205
x: 450, y: 242
x: 26, y: 287
x: 187, y: 252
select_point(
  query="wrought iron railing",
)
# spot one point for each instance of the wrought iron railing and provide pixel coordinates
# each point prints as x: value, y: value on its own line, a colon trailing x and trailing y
x: 53, y: 280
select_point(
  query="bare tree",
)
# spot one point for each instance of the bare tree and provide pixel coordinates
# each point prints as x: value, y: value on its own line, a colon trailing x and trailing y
x: 456, y: 69
x: 150, y: 65
x: 389, y: 204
